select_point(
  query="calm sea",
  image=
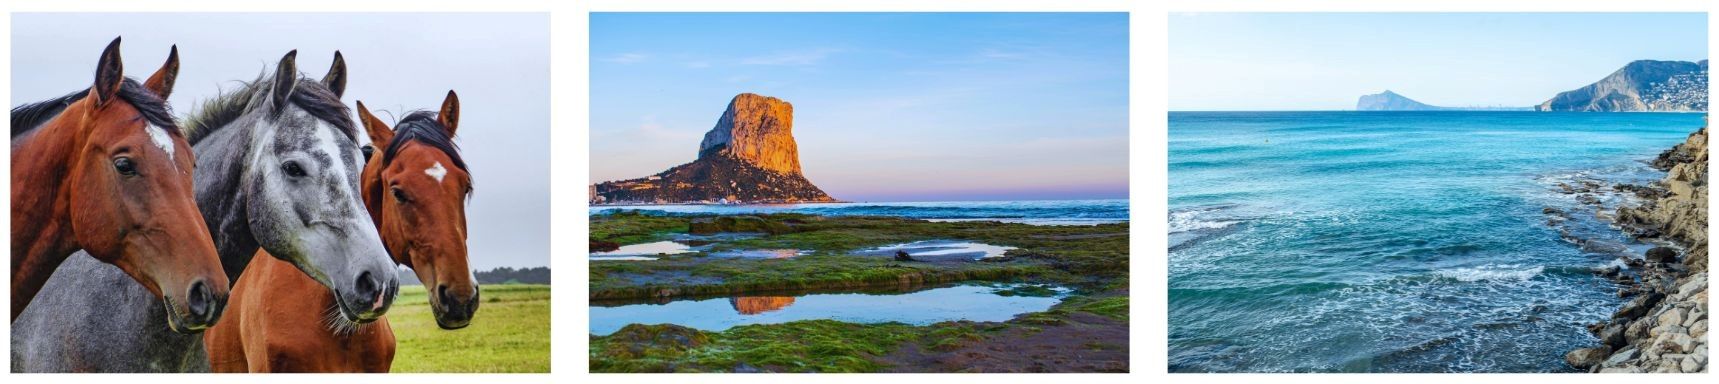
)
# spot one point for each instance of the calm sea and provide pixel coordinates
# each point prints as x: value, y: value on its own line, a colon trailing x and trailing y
x: 1036, y: 212
x: 1394, y: 241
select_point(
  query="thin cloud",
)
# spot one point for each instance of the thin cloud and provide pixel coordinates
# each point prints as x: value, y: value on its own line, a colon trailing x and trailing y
x: 798, y: 58
x: 627, y: 58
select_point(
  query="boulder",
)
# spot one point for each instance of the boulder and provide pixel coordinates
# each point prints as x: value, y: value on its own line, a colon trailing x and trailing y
x: 1637, y: 331
x: 1662, y: 255
x: 1638, y: 306
x: 1671, y: 317
x: 903, y: 256
x: 1587, y: 357
x: 1621, y: 357
x: 1613, y: 336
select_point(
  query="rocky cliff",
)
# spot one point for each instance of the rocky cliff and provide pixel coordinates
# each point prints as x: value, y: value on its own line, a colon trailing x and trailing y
x: 1643, y: 85
x: 757, y: 129
x: 1663, y: 328
x: 748, y: 157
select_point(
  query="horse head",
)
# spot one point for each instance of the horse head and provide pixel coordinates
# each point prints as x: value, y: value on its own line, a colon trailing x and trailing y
x: 416, y: 185
x: 303, y: 203
x: 127, y: 193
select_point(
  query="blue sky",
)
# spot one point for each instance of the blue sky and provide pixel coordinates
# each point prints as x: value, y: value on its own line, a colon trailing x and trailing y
x: 887, y: 106
x: 1325, y: 61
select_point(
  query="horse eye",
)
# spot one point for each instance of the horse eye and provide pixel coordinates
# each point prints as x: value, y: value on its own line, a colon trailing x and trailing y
x: 399, y: 194
x: 293, y: 169
x: 125, y: 166
x: 368, y: 150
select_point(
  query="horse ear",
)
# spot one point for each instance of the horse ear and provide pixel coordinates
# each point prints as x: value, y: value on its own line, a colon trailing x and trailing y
x: 450, y: 114
x: 110, y: 73
x: 380, y: 133
x: 286, y: 78
x: 336, y: 77
x: 162, y: 81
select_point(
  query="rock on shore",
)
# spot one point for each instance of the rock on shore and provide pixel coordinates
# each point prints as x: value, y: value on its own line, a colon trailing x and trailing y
x: 1664, y: 328
x: 748, y: 157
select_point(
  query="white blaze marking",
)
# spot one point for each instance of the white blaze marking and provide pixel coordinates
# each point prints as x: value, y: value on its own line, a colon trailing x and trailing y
x: 159, y: 136
x: 437, y: 171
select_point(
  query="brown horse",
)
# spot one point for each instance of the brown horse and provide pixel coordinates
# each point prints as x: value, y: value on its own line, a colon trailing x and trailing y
x: 415, y: 192
x: 107, y: 171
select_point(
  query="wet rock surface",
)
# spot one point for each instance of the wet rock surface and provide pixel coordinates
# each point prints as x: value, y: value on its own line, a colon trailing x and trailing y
x: 1663, y: 329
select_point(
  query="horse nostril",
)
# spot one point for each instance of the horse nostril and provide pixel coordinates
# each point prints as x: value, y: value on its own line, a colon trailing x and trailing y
x: 442, y: 296
x: 367, y: 287
x: 200, y: 300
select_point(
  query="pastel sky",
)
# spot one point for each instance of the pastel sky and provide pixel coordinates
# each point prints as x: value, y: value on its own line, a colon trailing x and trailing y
x: 887, y: 106
x: 1325, y: 61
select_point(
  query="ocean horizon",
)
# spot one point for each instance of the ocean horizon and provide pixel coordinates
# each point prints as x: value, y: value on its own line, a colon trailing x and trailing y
x: 1034, y: 212
x: 1353, y: 241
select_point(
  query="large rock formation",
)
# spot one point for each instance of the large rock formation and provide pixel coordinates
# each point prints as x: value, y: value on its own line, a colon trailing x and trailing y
x: 757, y: 129
x: 1644, y: 85
x: 1664, y: 328
x: 1391, y: 101
x: 749, y: 157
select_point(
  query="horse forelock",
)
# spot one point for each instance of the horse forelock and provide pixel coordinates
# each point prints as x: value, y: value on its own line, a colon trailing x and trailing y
x: 308, y: 95
x: 422, y: 127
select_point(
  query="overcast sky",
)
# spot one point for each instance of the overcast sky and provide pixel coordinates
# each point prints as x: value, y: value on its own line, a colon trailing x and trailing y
x: 1326, y: 61
x: 887, y: 106
x: 498, y: 63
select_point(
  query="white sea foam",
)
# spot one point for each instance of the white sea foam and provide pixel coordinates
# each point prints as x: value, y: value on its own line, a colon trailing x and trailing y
x: 1194, y: 220
x: 1509, y: 272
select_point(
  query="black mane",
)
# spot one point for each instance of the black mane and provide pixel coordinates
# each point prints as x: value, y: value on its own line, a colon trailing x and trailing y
x: 311, y: 96
x: 422, y: 126
x: 29, y: 116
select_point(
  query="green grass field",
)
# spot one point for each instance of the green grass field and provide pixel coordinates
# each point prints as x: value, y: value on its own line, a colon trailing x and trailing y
x: 509, y: 334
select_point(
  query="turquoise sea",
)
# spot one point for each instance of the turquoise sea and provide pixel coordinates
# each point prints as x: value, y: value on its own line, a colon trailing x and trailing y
x: 1396, y: 241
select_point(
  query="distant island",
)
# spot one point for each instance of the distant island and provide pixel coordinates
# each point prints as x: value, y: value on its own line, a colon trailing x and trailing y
x: 749, y: 157
x: 1640, y: 86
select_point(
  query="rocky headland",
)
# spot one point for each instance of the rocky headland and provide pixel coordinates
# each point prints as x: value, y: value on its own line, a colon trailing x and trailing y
x: 1663, y: 327
x: 749, y: 157
x: 1640, y: 86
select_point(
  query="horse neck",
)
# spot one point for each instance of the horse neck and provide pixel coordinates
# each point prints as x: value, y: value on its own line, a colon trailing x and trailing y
x: 41, y: 202
x: 222, y: 160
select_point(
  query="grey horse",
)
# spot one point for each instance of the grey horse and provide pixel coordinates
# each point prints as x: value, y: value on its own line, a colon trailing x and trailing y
x: 277, y: 169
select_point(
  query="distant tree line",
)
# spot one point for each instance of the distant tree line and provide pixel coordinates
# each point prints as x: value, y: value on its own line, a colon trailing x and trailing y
x: 502, y: 275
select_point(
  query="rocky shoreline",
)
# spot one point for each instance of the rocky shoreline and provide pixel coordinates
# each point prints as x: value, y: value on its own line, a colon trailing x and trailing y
x: 1663, y: 328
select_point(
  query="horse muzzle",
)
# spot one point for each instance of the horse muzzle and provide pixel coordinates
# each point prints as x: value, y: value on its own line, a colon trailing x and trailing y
x: 202, y: 308
x: 456, y: 312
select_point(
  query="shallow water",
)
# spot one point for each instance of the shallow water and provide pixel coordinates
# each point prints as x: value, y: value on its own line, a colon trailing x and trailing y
x: 1036, y: 212
x: 941, y: 249
x: 643, y: 251
x: 758, y: 253
x: 928, y: 306
x: 1395, y: 242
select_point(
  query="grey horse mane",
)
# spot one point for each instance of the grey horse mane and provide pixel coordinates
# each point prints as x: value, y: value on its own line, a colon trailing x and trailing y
x: 228, y: 106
